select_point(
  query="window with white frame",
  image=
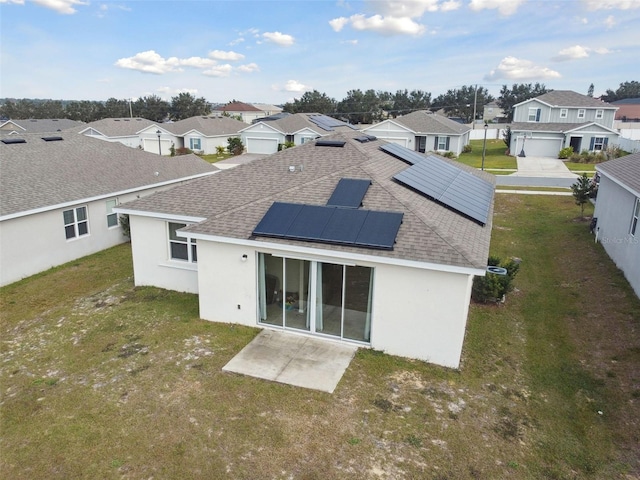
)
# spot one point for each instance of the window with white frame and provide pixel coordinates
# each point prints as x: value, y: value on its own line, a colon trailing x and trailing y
x: 599, y: 114
x: 581, y: 113
x: 599, y: 143
x: 76, y: 222
x: 112, y: 217
x: 195, y: 144
x: 534, y: 115
x: 442, y: 143
x: 179, y: 247
x: 563, y: 112
x: 636, y: 216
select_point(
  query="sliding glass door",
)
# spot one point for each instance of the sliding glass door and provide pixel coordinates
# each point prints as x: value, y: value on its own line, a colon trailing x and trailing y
x: 323, y: 298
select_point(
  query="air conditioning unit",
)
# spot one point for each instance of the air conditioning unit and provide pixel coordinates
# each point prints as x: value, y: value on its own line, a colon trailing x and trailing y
x: 496, y: 270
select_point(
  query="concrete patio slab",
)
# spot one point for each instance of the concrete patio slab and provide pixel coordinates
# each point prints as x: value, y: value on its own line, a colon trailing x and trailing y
x: 293, y: 359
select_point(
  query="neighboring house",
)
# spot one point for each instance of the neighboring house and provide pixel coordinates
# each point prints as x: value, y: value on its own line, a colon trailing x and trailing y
x: 628, y: 109
x: 267, y: 109
x: 267, y: 135
x: 247, y: 112
x: 58, y: 192
x: 423, y: 131
x: 492, y: 113
x: 618, y: 214
x: 337, y: 238
x: 204, y: 134
x: 123, y: 130
x: 544, y: 125
x: 38, y: 125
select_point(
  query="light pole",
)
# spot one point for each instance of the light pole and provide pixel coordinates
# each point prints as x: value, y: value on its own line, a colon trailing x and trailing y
x: 159, y: 146
x: 484, y: 143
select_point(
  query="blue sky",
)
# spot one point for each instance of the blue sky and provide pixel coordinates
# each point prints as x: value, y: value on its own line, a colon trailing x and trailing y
x: 271, y: 51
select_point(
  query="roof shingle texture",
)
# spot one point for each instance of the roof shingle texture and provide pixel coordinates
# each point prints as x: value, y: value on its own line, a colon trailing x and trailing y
x: 626, y: 170
x: 234, y: 201
x: 40, y: 174
x: 569, y: 98
x: 422, y: 121
x: 44, y: 125
x: 119, y: 127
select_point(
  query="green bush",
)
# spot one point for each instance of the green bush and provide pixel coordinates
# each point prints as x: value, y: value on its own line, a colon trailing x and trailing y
x: 467, y: 148
x: 565, y: 153
x: 235, y: 145
x: 449, y: 154
x: 182, y: 151
x: 492, y: 287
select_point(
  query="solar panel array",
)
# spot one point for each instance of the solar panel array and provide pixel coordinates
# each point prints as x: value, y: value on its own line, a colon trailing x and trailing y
x: 332, y: 225
x: 445, y: 183
x: 328, y: 123
x: 349, y: 193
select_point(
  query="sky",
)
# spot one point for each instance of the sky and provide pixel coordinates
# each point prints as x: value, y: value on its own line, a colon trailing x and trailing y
x: 272, y: 51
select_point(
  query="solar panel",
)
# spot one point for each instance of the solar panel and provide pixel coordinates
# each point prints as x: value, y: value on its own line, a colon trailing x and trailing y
x: 330, y: 143
x: 402, y: 153
x: 328, y: 123
x: 349, y: 193
x: 450, y: 186
x: 333, y: 225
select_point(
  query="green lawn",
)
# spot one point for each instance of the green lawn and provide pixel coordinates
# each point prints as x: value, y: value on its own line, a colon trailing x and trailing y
x: 494, y: 155
x: 100, y: 379
x: 214, y: 157
x: 581, y: 167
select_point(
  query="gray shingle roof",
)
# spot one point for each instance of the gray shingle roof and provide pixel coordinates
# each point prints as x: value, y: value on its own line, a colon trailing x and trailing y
x: 626, y: 170
x: 545, y: 127
x: 569, y: 98
x: 40, y: 174
x: 422, y: 121
x: 294, y: 123
x: 43, y: 125
x: 234, y: 201
x: 119, y: 127
x: 208, y: 126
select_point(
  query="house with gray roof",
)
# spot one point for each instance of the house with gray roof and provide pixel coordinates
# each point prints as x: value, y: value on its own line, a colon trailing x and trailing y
x: 544, y: 125
x: 58, y: 193
x: 617, y: 214
x: 245, y: 111
x: 38, y: 125
x: 423, y: 131
x: 123, y: 130
x: 268, y: 135
x: 340, y: 238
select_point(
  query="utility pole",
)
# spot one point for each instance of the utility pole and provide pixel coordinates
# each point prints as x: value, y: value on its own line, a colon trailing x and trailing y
x: 475, y: 101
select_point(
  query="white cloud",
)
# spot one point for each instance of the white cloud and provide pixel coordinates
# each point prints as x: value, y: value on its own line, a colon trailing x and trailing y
x: 387, y: 25
x: 407, y: 8
x: 17, y: 2
x: 350, y: 42
x: 152, y: 62
x: 294, y: 86
x: 236, y: 41
x: 221, y: 55
x: 611, y: 4
x: 219, y: 71
x: 505, y: 7
x: 338, y: 23
x: 61, y: 6
x: 249, y: 68
x: 511, y: 68
x: 610, y: 21
x: 577, y: 51
x: 278, y: 38
x: 450, y: 6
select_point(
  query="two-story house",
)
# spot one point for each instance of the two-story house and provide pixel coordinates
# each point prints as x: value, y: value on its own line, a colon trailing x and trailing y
x: 544, y: 125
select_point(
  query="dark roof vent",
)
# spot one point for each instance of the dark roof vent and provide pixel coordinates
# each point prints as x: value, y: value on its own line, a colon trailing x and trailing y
x: 330, y: 143
x: 52, y: 139
x: 9, y: 141
x: 365, y: 138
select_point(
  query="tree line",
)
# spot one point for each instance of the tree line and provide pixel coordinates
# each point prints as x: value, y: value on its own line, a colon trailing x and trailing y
x: 358, y: 106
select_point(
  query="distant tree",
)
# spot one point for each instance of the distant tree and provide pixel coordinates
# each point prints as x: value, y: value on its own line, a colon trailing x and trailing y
x: 85, y: 111
x: 361, y: 107
x: 186, y: 105
x: 114, y: 108
x: 590, y: 91
x: 406, y: 102
x: 21, y: 109
x: 461, y: 102
x: 582, y: 189
x: 625, y: 90
x: 152, y: 108
x: 518, y: 93
x: 311, y: 102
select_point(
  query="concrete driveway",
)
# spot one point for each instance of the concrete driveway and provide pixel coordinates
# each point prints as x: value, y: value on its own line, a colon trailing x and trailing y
x: 542, y: 167
x: 238, y: 160
x: 294, y: 359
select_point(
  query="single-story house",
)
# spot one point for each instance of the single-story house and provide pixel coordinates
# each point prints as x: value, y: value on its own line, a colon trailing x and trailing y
x: 38, y: 125
x: 123, y: 130
x: 267, y: 135
x: 58, y: 193
x: 245, y: 111
x: 423, y: 131
x: 347, y: 238
x: 203, y: 134
x: 618, y: 214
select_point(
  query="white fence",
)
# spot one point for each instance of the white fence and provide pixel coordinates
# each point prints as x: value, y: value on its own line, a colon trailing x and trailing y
x: 492, y: 133
x: 628, y: 145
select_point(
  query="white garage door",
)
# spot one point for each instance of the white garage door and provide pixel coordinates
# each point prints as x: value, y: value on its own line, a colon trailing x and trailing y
x: 152, y: 146
x: 541, y: 147
x: 396, y: 140
x: 262, y: 145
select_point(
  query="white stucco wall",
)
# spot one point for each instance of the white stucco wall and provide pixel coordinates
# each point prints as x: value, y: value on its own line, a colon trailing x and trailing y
x: 614, y: 211
x: 392, y: 132
x: 152, y: 265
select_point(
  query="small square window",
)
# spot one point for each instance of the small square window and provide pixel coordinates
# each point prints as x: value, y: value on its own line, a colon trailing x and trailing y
x: 581, y: 113
x: 76, y: 223
x: 112, y: 217
x: 599, y: 114
x: 563, y: 113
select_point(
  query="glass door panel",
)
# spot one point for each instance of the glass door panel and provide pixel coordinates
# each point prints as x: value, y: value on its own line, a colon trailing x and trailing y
x: 329, y: 283
x: 357, y: 303
x: 270, y: 279
x: 296, y: 296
